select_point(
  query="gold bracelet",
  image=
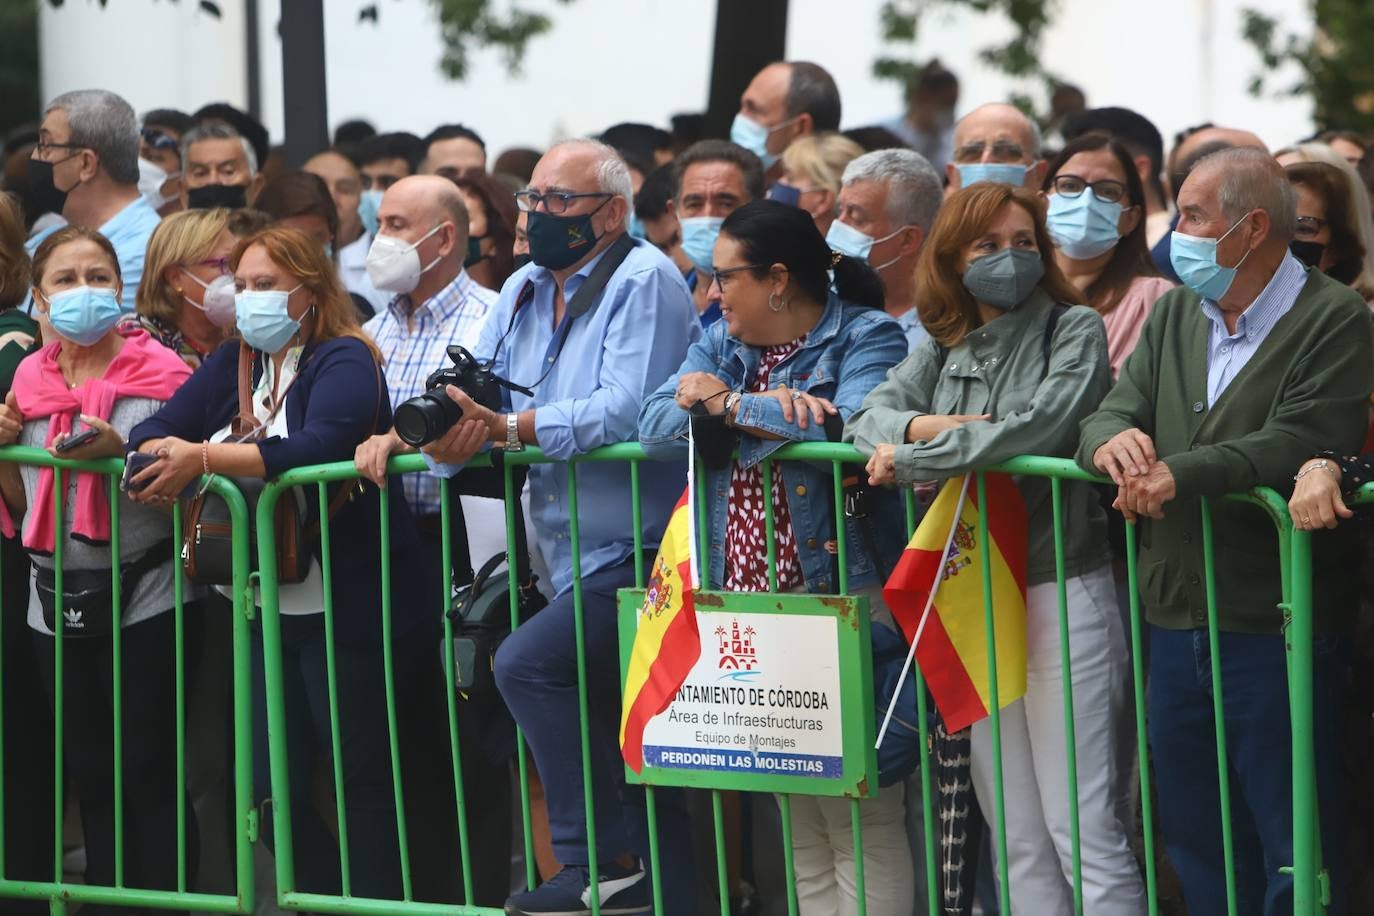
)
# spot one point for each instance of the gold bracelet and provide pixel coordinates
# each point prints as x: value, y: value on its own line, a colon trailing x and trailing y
x: 205, y: 457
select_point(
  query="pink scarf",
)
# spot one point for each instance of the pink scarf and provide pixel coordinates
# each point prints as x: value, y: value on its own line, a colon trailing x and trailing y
x: 144, y: 368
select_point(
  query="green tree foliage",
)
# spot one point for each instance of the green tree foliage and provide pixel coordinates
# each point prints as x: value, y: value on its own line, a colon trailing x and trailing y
x: 1020, y: 58
x: 1334, y: 64
x: 466, y: 25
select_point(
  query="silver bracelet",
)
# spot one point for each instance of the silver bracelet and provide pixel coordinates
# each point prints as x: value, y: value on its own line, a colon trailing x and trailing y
x: 1321, y: 465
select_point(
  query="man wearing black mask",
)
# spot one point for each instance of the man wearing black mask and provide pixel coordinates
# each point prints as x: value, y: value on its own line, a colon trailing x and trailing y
x: 219, y: 168
x: 85, y: 167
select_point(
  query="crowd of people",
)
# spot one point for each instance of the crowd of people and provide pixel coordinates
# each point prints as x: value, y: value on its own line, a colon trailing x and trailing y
x: 944, y: 294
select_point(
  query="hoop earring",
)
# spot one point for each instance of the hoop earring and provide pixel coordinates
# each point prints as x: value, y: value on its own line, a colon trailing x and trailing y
x: 781, y: 302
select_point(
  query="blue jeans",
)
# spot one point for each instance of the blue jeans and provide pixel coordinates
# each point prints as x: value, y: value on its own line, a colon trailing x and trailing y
x: 1259, y: 756
x: 536, y: 671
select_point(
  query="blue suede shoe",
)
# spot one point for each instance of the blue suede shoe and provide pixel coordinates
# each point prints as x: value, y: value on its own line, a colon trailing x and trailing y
x: 623, y: 891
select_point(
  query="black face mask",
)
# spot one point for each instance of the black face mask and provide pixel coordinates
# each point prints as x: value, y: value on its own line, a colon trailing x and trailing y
x: 474, y: 250
x: 210, y: 196
x: 43, y: 195
x: 1310, y: 253
x: 1346, y: 270
x: 521, y: 260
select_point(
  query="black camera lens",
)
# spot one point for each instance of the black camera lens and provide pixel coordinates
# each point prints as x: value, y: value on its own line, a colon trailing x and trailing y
x: 426, y: 417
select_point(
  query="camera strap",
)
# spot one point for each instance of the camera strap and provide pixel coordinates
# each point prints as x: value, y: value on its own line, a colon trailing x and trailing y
x: 584, y: 301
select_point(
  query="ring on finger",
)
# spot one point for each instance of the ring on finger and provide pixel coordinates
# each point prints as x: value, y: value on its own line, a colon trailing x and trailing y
x: 797, y: 395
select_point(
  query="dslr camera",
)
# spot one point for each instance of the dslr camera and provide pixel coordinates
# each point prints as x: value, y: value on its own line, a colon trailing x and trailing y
x: 429, y: 415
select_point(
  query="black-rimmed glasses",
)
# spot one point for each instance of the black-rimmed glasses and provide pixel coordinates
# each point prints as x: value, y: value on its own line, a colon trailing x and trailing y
x: 1107, y: 189
x: 555, y: 202
x: 718, y: 276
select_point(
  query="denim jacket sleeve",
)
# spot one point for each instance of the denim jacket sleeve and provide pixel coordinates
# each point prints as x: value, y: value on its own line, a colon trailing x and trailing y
x: 871, y: 344
x: 1078, y: 377
x: 904, y: 394
x: 662, y: 423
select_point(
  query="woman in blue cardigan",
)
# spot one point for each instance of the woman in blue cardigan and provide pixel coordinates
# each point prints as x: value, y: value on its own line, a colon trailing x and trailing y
x: 317, y: 392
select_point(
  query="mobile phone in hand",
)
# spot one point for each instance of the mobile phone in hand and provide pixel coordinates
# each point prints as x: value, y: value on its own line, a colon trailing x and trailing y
x: 74, y: 440
x: 135, y: 462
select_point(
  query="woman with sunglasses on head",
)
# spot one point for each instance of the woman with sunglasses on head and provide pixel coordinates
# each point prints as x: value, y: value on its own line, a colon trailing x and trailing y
x: 1097, y: 221
x: 186, y: 297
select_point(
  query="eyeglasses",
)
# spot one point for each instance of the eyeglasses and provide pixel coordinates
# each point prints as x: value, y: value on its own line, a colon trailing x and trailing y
x: 718, y: 276
x: 1002, y: 151
x: 555, y: 202
x: 45, y: 148
x: 1309, y: 227
x: 1107, y: 189
x: 220, y: 264
x: 157, y: 139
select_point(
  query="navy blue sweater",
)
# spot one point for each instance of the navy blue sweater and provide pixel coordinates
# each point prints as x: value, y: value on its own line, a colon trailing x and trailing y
x: 332, y: 407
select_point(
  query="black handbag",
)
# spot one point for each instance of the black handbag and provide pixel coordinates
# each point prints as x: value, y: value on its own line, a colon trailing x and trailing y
x: 87, y: 602
x: 480, y: 622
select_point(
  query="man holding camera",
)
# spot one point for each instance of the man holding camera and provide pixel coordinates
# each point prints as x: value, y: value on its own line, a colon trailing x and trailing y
x: 597, y: 322
x: 417, y: 259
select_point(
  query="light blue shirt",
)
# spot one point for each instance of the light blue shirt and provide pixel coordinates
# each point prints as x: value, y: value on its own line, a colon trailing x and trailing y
x: 129, y: 231
x: 915, y: 332
x: 1228, y: 353
x: 614, y: 358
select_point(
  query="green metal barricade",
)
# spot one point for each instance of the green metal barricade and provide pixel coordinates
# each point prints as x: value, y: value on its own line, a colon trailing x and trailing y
x: 60, y: 891
x: 1294, y: 560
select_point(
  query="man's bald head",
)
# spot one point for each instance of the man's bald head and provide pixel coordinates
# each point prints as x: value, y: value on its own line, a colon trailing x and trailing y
x: 427, y: 211
x: 999, y: 136
x: 1203, y: 143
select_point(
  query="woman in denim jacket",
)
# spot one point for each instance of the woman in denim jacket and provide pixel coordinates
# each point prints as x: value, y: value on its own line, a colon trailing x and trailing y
x: 786, y: 355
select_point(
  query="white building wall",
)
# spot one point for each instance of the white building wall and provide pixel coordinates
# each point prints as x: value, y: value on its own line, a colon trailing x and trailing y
x: 1177, y: 61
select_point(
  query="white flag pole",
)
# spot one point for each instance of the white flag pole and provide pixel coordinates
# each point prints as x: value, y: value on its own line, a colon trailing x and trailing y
x: 692, y: 509
x: 925, y: 615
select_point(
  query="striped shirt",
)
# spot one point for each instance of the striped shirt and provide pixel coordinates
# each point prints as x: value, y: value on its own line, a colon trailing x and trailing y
x: 1228, y: 353
x: 454, y: 315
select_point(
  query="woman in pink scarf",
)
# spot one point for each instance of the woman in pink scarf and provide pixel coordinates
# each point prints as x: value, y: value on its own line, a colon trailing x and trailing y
x: 89, y: 375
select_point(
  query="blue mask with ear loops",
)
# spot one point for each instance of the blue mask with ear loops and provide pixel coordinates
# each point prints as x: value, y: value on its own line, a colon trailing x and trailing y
x: 263, y: 319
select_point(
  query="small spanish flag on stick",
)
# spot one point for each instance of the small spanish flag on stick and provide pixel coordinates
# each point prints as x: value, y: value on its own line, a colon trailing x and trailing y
x: 667, y: 643
x: 936, y: 597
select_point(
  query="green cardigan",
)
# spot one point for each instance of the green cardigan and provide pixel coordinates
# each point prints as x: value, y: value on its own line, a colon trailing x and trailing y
x: 1304, y: 390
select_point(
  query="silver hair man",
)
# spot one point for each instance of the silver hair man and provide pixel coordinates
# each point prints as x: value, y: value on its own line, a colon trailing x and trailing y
x: 104, y: 123
x: 914, y: 188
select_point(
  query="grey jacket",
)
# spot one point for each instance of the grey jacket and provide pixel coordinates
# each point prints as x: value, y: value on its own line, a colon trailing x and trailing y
x: 1000, y: 369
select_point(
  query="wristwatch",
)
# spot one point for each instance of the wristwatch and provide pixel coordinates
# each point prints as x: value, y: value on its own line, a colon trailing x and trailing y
x: 513, y: 443
x: 728, y: 405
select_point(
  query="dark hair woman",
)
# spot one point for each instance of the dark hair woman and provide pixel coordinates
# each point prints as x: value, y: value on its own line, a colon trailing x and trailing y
x: 491, y: 228
x: 1327, y: 236
x: 787, y: 355
x: 1097, y: 220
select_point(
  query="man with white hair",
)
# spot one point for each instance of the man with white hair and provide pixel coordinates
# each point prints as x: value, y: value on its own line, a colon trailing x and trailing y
x: 996, y: 142
x: 887, y: 205
x: 219, y: 168
x: 87, y: 154
x: 1242, y: 375
x: 591, y: 358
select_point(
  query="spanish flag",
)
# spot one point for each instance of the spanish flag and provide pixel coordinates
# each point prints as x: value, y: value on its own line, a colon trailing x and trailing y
x: 936, y: 596
x: 666, y: 644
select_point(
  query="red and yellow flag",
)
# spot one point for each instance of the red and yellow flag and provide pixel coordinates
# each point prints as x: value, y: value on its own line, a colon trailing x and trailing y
x: 666, y: 644
x: 936, y: 596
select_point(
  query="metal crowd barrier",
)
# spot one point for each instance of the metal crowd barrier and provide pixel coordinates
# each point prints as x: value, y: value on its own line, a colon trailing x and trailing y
x: 1294, y: 559
x: 61, y: 891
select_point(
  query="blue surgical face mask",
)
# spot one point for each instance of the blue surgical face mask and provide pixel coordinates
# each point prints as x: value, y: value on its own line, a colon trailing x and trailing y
x: 1004, y: 279
x: 785, y: 193
x: 263, y: 319
x: 753, y: 136
x: 85, y: 314
x: 367, y: 210
x: 1195, y: 261
x: 637, y: 227
x: 1013, y: 173
x: 1083, y: 227
x: 845, y: 239
x: 699, y: 234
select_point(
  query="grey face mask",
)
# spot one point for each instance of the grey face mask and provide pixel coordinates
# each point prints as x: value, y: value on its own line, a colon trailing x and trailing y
x: 1004, y: 279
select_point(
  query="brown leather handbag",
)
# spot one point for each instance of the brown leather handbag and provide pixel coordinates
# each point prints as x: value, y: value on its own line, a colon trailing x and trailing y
x: 207, y: 530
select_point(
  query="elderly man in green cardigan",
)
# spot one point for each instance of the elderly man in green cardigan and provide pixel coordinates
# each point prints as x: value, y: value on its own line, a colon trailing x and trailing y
x: 1252, y: 367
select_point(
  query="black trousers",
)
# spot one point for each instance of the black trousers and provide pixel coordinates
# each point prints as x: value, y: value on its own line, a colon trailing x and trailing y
x: 149, y: 749
x: 28, y: 761
x: 486, y: 781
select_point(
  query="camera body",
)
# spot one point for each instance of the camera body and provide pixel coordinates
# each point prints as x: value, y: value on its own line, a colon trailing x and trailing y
x: 429, y: 415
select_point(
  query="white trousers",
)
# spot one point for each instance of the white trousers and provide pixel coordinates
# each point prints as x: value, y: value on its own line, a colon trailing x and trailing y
x: 1035, y: 759
x: 823, y: 855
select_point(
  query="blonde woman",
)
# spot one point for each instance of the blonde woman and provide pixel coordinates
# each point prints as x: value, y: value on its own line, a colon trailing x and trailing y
x: 185, y: 300
x: 811, y: 170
